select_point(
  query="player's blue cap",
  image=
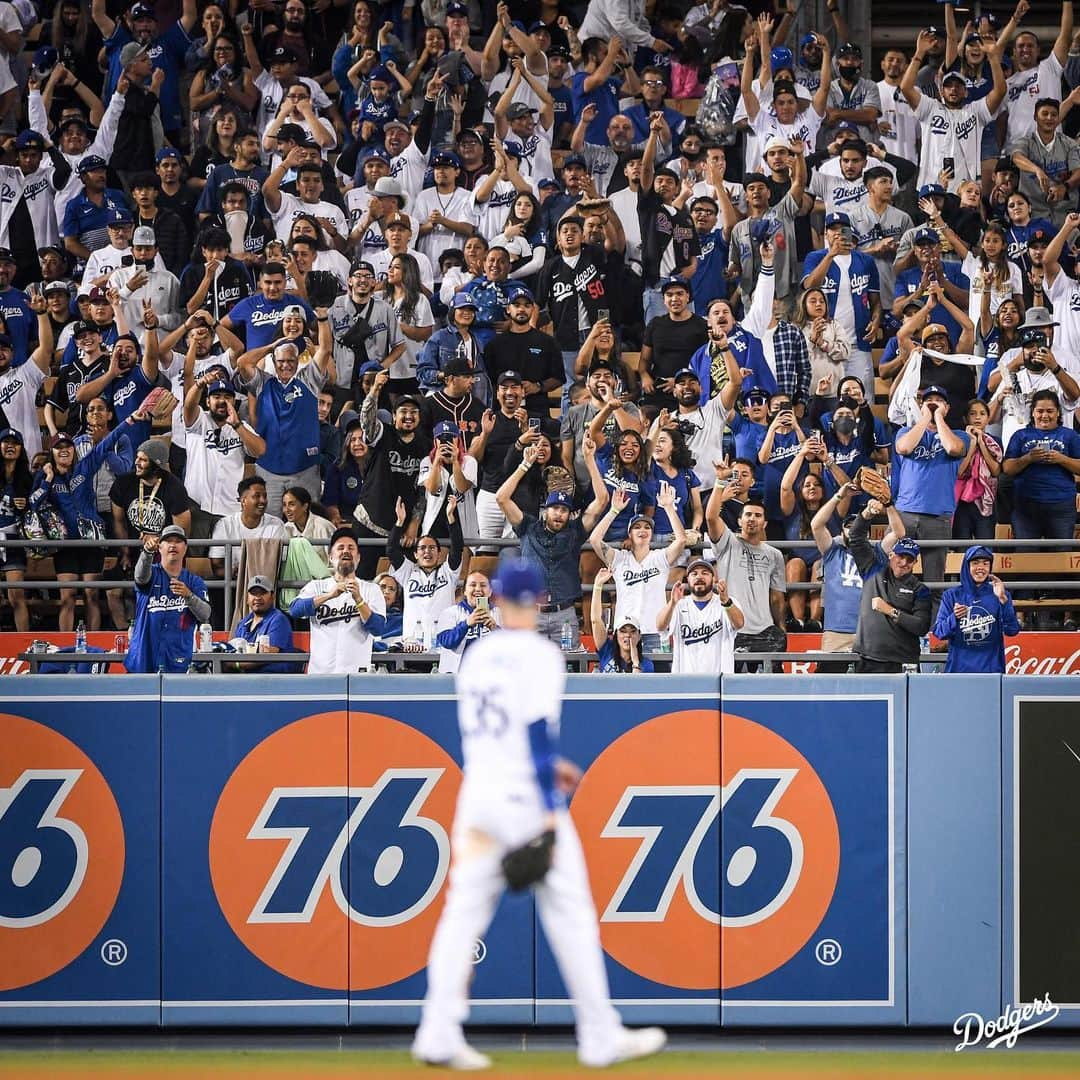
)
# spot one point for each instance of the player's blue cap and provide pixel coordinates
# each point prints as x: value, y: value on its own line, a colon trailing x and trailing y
x: 120, y: 217
x: 381, y: 73
x: 90, y: 163
x: 558, y: 498
x: 167, y: 152
x: 906, y: 546
x: 220, y: 386
x: 445, y: 157
x: 518, y: 581
x: 837, y: 218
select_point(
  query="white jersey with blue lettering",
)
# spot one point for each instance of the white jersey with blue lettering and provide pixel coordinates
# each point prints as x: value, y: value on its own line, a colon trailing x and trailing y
x: 427, y: 595
x: 506, y: 681
x: 640, y: 586
x: 704, y: 638
x: 340, y: 642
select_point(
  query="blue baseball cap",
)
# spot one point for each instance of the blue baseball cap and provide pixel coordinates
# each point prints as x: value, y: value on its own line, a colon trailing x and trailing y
x: 806, y: 39
x: 846, y: 125
x: 548, y: 182
x: 45, y: 58
x: 930, y: 189
x: 220, y: 386
x: 90, y: 163
x: 686, y: 373
x: 379, y: 152
x: 758, y: 392
x: 935, y: 391
x: 674, y: 283
x: 382, y: 74
x: 446, y: 429
x: 516, y: 291
x: 370, y: 366
x: 906, y: 546
x: 558, y: 498
x: 445, y: 157
x: 837, y: 217
x: 781, y: 57
x: 463, y: 299
x: 12, y: 434
x: 926, y: 236
x: 167, y: 152
x: 518, y: 580
x: 29, y: 140
x: 120, y: 217
x: 457, y: 9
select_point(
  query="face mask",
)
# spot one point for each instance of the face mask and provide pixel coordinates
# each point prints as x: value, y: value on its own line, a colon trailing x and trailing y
x: 693, y: 155
x: 849, y: 72
x: 844, y: 425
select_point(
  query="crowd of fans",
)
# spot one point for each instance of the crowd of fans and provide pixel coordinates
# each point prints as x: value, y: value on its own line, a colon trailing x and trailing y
x: 425, y: 275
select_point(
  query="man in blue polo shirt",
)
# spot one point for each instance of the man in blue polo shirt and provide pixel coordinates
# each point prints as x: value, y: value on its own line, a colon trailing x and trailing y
x: 258, y: 316
x: 264, y: 620
x: 86, y: 216
x: 167, y: 51
x: 287, y: 408
x: 928, y: 459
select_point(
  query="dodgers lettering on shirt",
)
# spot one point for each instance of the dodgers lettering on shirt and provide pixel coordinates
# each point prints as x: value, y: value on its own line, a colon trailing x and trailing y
x: 842, y: 592
x: 427, y: 595
x: 163, y: 635
x: 128, y: 393
x: 928, y: 476
x: 260, y: 317
x: 640, y: 586
x: 704, y: 638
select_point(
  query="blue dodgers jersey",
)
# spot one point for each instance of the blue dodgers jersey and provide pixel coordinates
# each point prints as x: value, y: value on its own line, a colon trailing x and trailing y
x: 289, y: 421
x: 842, y: 592
x: 163, y: 635
x: 628, y: 482
x: 928, y: 477
x: 128, y: 392
x: 1044, y: 483
x: 261, y: 317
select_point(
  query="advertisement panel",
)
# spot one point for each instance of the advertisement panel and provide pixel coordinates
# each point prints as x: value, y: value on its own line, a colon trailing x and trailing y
x: 79, y: 869
x: 812, y: 850
x: 646, y: 811
x: 255, y: 804
x: 1041, y: 823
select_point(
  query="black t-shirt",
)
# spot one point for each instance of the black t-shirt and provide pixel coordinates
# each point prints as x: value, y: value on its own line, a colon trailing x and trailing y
x: 673, y: 343
x: 147, y: 504
x: 659, y: 229
x: 957, y: 380
x: 72, y: 376
x: 231, y: 285
x: 493, y: 469
x: 534, y: 355
x: 466, y: 412
x: 562, y: 287
x: 393, y: 466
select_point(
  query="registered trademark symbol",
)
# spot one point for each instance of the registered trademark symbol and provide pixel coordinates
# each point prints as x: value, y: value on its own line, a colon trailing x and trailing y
x: 479, y: 951
x: 828, y: 952
x: 114, y: 952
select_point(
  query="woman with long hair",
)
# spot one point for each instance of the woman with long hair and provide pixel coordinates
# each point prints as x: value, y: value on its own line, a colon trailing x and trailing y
x: 217, y: 144
x: 325, y: 257
x: 977, y: 479
x: 829, y: 343
x: 524, y: 239
x: 456, y: 278
x: 601, y: 347
x: 301, y: 519
x: 15, y: 485
x: 74, y: 35
x: 623, y: 464
x: 345, y: 477
x: 994, y: 277
x: 214, y: 21
x: 394, y: 598
x: 673, y: 464
x: 415, y: 319
x: 998, y: 336
x: 1020, y: 225
x: 223, y: 80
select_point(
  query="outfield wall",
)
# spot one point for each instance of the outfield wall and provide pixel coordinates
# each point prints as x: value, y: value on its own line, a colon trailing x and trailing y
x: 252, y: 850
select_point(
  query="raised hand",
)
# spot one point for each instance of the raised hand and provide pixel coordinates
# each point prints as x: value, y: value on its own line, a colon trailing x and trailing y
x: 400, y: 513
x: 620, y: 500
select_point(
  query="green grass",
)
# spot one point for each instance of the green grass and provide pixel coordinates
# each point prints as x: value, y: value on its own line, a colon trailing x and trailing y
x: 753, y: 1064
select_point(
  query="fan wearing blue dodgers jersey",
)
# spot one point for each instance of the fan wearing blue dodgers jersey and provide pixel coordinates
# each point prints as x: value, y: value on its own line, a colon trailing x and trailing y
x: 704, y: 620
x: 257, y: 317
x: 170, y: 602
x: 509, y: 689
x: 428, y: 584
x: 347, y: 613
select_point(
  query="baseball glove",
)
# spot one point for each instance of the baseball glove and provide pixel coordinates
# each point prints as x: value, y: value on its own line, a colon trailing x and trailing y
x: 874, y: 484
x: 527, y: 865
x: 159, y: 403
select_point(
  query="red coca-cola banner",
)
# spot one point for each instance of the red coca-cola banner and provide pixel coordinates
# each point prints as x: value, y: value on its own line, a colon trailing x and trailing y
x: 1029, y: 653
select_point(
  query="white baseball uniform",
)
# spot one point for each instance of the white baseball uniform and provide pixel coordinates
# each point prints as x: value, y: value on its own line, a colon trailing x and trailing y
x: 508, y: 681
x: 704, y: 638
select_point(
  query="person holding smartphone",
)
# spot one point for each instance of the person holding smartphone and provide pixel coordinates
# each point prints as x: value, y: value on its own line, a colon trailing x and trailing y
x: 465, y: 623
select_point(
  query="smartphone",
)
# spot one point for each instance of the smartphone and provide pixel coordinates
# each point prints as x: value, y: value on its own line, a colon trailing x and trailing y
x: 534, y: 423
x: 948, y: 165
x: 127, y: 260
x: 603, y: 315
x: 482, y: 603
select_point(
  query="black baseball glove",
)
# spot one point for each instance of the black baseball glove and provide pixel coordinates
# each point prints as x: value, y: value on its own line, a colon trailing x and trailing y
x: 527, y: 865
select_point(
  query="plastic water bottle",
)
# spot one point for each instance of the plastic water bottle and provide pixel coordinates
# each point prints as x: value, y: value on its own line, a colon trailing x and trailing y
x: 80, y: 637
x: 206, y: 638
x: 566, y: 640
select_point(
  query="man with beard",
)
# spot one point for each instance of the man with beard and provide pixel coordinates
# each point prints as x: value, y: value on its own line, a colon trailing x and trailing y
x: 517, y: 124
x: 1033, y: 79
x: 374, y: 166
x: 167, y: 52
x: 365, y: 328
x: 19, y: 385
x: 267, y: 622
x: 175, y: 194
x: 246, y: 168
x: 347, y: 613
x: 553, y: 542
x: 216, y: 441
x: 845, y: 189
x: 216, y: 283
x: 898, y: 129
x: 394, y: 457
x: 753, y: 570
x: 303, y: 40
x: 670, y: 341
x: 500, y: 428
x: 704, y: 622
x: 444, y: 212
x: 147, y: 284
x: 408, y: 153
x: 130, y: 376
x: 527, y: 351
x: 27, y: 218
x: 287, y: 408
x: 89, y: 362
x: 851, y: 97
x: 149, y: 498
x: 605, y: 161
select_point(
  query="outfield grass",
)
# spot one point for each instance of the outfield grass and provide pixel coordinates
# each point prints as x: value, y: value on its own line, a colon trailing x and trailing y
x: 755, y: 1065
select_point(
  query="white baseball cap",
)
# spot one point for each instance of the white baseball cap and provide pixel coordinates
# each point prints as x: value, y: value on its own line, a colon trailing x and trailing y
x: 143, y: 236
x: 776, y: 143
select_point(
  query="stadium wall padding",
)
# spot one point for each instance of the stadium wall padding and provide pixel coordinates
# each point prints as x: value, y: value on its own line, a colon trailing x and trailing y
x: 246, y: 850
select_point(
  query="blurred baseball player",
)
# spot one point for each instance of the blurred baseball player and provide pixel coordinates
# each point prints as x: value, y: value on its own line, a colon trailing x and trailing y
x: 511, y: 827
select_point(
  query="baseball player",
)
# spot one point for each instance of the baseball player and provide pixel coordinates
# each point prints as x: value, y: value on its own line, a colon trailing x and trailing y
x: 703, y: 621
x: 509, y: 688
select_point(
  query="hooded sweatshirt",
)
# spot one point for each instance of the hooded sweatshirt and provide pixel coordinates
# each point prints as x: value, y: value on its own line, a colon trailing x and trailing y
x: 977, y: 641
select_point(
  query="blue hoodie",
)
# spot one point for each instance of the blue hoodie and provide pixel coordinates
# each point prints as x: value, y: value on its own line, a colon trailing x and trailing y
x: 977, y: 642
